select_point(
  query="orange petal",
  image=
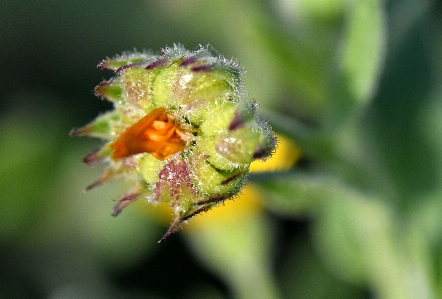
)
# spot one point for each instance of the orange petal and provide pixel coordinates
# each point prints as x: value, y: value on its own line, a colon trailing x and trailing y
x: 152, y: 134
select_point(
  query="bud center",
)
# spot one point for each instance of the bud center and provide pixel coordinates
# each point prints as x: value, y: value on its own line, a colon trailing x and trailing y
x: 156, y: 133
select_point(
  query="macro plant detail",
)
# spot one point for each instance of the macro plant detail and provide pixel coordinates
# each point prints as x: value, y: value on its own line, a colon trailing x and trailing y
x: 183, y: 130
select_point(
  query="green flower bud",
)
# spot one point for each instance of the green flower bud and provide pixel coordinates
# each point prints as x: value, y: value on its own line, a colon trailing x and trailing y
x: 182, y: 130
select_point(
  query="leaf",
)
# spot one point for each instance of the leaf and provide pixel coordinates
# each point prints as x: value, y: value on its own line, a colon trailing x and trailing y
x: 294, y: 193
x: 363, y: 50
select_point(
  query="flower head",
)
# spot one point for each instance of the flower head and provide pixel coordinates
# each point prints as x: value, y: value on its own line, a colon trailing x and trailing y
x: 182, y: 130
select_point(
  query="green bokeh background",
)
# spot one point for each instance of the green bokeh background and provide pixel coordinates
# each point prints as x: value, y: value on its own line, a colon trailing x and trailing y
x: 356, y: 84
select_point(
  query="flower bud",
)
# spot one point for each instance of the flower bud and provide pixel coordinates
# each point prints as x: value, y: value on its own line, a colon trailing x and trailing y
x: 182, y: 131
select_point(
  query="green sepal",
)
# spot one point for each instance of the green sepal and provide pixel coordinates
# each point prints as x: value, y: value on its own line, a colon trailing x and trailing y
x: 239, y: 146
x: 209, y: 180
x: 163, y: 85
x: 201, y: 93
x: 137, y: 85
x: 102, y: 127
x: 110, y: 90
x: 267, y: 141
x: 150, y: 168
x: 244, y: 114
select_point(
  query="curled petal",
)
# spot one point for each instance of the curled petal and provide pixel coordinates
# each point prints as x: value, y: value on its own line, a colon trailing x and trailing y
x: 154, y: 134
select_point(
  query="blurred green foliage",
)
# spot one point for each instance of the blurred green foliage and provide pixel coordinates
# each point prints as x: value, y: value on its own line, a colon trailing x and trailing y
x: 356, y: 84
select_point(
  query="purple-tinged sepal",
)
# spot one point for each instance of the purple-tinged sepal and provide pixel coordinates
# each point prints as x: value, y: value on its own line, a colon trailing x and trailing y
x: 124, y: 202
x: 244, y: 113
x: 126, y: 58
x: 98, y: 155
x: 109, y: 174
